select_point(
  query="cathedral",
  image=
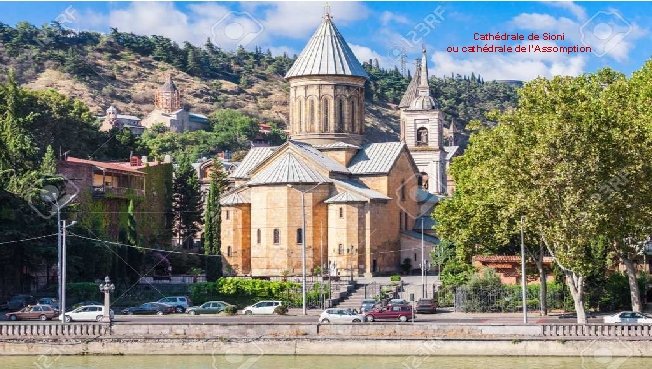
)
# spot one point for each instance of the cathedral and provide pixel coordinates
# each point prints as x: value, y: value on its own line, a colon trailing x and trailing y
x: 352, y: 206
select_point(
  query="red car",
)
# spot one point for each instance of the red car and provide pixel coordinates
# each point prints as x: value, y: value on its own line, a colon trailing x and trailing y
x: 40, y: 312
x: 401, y: 313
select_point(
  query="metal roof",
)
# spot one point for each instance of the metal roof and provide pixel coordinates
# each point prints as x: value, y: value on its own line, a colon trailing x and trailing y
x: 288, y: 169
x: 349, y: 185
x: 327, y: 54
x: 233, y: 199
x: 426, y: 237
x: 337, y: 145
x: 254, y: 157
x: 317, y: 156
x: 376, y: 158
x: 411, y: 91
x: 343, y: 197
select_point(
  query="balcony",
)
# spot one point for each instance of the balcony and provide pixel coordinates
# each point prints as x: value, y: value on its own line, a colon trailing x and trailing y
x: 100, y: 192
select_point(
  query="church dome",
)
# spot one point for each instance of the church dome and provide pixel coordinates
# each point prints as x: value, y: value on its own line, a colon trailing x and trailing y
x: 327, y: 54
x: 111, y: 110
x: 423, y: 103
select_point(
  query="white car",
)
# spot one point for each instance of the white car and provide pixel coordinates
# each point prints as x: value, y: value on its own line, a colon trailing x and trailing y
x: 262, y: 307
x: 336, y: 315
x: 628, y: 317
x: 87, y: 313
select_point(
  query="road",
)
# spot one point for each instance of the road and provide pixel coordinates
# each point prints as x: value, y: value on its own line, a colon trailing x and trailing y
x: 295, y: 316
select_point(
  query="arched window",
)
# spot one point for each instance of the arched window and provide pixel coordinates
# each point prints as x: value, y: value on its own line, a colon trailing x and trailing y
x: 227, y: 215
x: 340, y: 249
x: 299, y: 235
x: 402, y: 190
x: 422, y: 136
x: 424, y: 180
x: 228, y: 251
x: 326, y: 115
x: 277, y: 236
x: 258, y: 236
x: 353, y: 120
x: 299, y: 114
x: 341, y: 212
x: 311, y: 115
x: 340, y: 116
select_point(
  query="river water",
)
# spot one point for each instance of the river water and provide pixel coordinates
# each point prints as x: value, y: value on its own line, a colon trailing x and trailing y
x: 315, y: 362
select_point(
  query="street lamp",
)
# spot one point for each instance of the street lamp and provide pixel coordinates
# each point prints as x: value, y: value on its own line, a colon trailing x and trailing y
x: 303, y: 241
x: 107, y: 287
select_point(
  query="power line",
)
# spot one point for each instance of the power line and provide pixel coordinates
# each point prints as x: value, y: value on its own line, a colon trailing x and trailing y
x: 28, y: 239
x: 139, y: 247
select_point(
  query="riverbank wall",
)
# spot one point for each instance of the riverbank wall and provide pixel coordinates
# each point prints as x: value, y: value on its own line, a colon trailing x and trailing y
x: 310, y: 339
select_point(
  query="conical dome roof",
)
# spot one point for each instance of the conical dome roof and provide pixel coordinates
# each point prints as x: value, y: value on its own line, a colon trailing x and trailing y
x: 327, y: 54
x: 169, y: 85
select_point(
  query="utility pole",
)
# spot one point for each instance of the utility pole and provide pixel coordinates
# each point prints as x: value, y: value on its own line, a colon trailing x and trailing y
x: 523, y: 282
x: 424, y: 292
x: 59, y: 262
x: 303, y: 251
x: 62, y: 302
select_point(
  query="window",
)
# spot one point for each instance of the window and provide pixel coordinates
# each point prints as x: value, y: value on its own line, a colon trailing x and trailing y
x: 422, y: 136
x: 415, y: 256
x: 340, y: 249
x: 311, y: 115
x: 299, y: 113
x: 299, y: 235
x: 402, y: 190
x: 227, y: 215
x: 258, y: 236
x: 341, y: 212
x: 352, y: 110
x: 277, y: 236
x: 326, y: 116
x: 340, y: 117
x: 228, y: 251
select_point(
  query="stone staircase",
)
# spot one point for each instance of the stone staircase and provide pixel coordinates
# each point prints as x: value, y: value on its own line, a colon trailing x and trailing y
x: 354, y: 300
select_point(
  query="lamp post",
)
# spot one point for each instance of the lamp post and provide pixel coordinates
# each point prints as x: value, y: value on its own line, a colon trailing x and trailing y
x: 523, y: 283
x: 107, y: 287
x: 303, y: 241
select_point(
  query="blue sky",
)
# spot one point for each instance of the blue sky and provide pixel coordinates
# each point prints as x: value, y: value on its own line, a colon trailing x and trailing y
x: 618, y: 32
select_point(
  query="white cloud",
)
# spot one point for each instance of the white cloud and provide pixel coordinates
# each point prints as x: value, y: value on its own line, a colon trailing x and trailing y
x: 502, y: 66
x: 364, y: 54
x: 279, y: 50
x: 299, y: 19
x: 388, y: 17
x: 572, y: 7
x: 153, y: 18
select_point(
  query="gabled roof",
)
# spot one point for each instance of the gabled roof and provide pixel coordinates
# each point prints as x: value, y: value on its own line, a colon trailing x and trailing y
x: 336, y: 145
x: 344, y: 197
x: 317, y: 156
x: 327, y: 54
x: 288, y: 169
x: 376, y: 158
x: 233, y: 199
x: 254, y: 157
x: 357, y: 187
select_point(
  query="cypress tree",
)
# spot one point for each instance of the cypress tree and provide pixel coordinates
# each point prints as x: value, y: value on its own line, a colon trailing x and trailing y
x: 213, y: 222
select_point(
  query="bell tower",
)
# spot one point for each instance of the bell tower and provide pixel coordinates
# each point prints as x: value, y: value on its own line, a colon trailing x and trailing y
x: 168, y: 97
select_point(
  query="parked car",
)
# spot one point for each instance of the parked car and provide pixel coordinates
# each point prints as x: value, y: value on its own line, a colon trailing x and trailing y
x: 33, y: 312
x: 428, y: 306
x: 87, y: 313
x: 180, y: 303
x: 628, y: 317
x: 149, y: 308
x: 336, y: 315
x: 367, y: 305
x: 20, y: 301
x: 262, y: 307
x: 86, y: 303
x: 49, y: 301
x: 395, y: 302
x: 402, y: 313
x: 209, y: 307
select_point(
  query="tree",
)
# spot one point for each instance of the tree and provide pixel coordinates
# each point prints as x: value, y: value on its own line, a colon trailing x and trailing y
x: 213, y: 221
x: 443, y: 252
x: 186, y: 201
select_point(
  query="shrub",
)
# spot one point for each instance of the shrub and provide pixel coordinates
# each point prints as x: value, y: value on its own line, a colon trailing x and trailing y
x: 395, y: 278
x: 231, y: 310
x: 456, y: 273
x: 281, y: 310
